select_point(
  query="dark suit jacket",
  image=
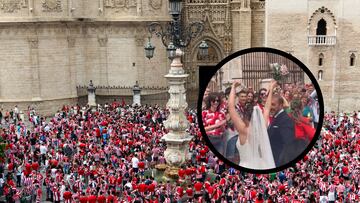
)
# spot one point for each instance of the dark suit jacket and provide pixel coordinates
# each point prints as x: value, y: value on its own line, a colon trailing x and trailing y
x: 282, y: 136
x: 232, y: 154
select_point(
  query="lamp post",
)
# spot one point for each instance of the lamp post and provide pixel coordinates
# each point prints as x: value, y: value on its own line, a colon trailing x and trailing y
x: 175, y: 37
x: 91, y: 95
x: 136, y: 94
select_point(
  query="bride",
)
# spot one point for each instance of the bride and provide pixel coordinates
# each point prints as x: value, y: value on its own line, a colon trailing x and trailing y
x: 253, y: 141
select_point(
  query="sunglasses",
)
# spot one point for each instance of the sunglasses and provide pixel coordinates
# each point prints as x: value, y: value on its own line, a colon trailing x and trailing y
x: 216, y: 100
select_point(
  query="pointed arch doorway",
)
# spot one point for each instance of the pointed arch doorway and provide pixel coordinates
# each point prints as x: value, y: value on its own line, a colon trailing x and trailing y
x: 194, y: 62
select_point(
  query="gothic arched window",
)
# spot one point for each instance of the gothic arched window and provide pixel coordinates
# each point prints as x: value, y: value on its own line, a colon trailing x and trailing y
x: 321, y: 27
x: 352, y: 59
x: 320, y: 75
x: 321, y: 59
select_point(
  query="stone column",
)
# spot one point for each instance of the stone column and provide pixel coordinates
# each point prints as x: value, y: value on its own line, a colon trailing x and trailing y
x: 72, y: 65
x: 136, y: 95
x: 103, y: 40
x: 177, y: 140
x: 91, y: 95
x: 34, y: 61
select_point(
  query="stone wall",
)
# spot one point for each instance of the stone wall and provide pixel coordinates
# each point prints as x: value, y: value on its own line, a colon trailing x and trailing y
x: 289, y: 24
x: 51, y: 46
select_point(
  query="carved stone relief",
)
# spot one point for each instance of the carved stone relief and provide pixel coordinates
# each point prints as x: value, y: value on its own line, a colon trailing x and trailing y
x: 71, y: 42
x: 120, y: 3
x: 102, y: 39
x: 139, y: 37
x: 10, y: 6
x: 257, y: 5
x: 155, y: 4
x: 52, y: 6
x: 33, y: 42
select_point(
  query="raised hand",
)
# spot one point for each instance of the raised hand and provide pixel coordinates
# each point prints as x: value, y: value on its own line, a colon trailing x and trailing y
x: 236, y: 83
x: 273, y: 83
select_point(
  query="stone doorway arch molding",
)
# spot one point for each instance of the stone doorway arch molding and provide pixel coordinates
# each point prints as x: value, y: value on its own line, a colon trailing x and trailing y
x: 216, y: 54
x: 325, y: 14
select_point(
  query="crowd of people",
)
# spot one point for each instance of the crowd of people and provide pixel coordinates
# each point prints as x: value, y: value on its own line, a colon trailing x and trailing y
x: 298, y: 109
x: 82, y: 155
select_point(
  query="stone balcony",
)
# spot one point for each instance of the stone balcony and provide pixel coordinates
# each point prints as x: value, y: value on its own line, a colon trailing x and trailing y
x: 321, y: 40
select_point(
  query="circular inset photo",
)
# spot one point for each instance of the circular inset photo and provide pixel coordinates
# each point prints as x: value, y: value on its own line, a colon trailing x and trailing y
x: 262, y: 110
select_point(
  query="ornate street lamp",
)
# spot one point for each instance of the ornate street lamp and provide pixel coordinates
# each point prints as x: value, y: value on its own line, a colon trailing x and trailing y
x: 175, y: 7
x: 204, y: 48
x: 149, y: 50
x: 175, y: 35
x: 175, y: 38
x: 171, y: 49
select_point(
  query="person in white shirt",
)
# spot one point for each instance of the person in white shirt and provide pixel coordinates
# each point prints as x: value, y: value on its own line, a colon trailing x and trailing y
x: 323, y: 199
x: 43, y: 151
x: 16, y: 112
x: 62, y: 190
x: 1, y: 184
x: 331, y: 197
x: 135, y: 162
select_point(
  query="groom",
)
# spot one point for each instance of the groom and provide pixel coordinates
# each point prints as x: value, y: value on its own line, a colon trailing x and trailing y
x: 281, y: 133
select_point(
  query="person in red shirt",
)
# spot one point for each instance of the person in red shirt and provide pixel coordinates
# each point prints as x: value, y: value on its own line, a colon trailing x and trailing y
x: 101, y: 198
x: 110, y: 197
x: 214, y: 121
x: 28, y: 167
x: 151, y: 188
x: 92, y: 198
x: 142, y: 187
x: 198, y: 186
x: 54, y: 163
x: 179, y: 191
x: 83, y: 198
x: 181, y: 173
x: 10, y: 166
x: 67, y: 196
x: 259, y: 198
x: 189, y: 191
x: 35, y: 166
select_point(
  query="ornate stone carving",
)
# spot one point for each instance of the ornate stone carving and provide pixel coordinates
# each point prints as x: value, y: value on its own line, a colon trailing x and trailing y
x: 139, y: 41
x: 155, y: 4
x: 120, y: 3
x: 177, y: 139
x: 257, y: 5
x: 52, y: 6
x: 33, y: 42
x: 9, y: 6
x: 139, y: 36
x: 71, y: 42
x: 323, y: 11
x: 102, y: 41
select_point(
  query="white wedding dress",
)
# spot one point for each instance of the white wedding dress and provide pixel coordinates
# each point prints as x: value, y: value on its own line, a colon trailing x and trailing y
x: 256, y: 153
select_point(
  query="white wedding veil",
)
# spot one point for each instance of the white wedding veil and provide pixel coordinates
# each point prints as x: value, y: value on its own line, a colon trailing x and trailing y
x: 261, y: 154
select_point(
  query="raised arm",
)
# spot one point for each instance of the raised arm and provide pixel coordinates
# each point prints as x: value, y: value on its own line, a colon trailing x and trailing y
x: 268, y: 101
x: 234, y: 116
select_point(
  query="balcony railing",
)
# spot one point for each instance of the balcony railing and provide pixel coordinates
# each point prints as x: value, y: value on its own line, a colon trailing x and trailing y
x: 321, y: 40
